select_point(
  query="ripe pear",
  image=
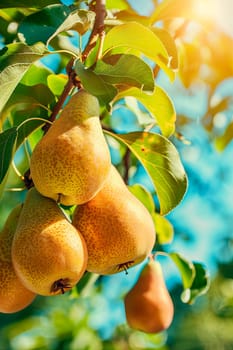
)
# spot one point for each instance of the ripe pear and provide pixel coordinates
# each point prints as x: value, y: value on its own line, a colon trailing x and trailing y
x: 118, y: 229
x: 71, y: 162
x: 48, y: 253
x: 148, y: 305
x: 13, y: 295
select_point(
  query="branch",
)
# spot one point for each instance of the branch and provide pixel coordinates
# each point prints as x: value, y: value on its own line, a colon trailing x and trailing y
x: 98, y: 28
x: 68, y: 87
x: 126, y: 162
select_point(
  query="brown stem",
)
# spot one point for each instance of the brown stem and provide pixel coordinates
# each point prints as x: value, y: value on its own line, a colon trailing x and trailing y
x: 126, y: 162
x: 98, y: 28
x: 68, y: 87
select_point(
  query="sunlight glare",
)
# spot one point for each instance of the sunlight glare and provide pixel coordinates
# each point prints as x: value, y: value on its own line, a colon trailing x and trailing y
x: 217, y: 11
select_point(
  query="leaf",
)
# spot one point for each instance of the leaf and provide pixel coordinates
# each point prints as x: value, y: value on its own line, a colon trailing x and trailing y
x: 7, y: 144
x: 14, y: 62
x: 56, y: 83
x: 161, y: 161
x: 223, y: 140
x: 27, y: 102
x: 130, y: 15
x: 190, y: 63
x: 94, y: 84
x: 164, y: 229
x: 170, y: 45
x: 185, y: 267
x: 126, y: 69
x: 135, y: 36
x: 144, y: 196
x: 117, y: 4
x: 200, y: 284
x: 27, y: 3
x: 36, y: 74
x: 168, y: 9
x: 158, y: 104
x: 79, y: 20
x: 40, y: 26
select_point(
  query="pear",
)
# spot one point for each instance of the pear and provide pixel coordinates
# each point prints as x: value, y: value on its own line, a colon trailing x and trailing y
x: 118, y: 229
x: 71, y: 162
x: 48, y: 253
x: 148, y: 305
x: 13, y: 295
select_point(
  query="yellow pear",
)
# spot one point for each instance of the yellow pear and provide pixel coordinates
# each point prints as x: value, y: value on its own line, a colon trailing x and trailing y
x: 148, y: 305
x: 48, y: 253
x: 118, y: 229
x: 71, y: 162
x: 13, y: 295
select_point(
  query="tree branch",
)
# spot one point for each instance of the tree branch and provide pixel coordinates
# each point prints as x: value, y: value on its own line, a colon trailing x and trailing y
x: 68, y: 87
x: 98, y: 29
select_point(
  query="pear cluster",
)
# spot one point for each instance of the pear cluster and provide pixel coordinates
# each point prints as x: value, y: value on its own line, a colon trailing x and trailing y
x: 44, y: 252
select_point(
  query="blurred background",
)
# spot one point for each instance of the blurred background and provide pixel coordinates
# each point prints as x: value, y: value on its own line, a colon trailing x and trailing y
x: 203, y: 97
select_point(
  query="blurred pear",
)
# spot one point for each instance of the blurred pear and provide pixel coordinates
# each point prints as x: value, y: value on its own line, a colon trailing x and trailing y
x: 148, y: 305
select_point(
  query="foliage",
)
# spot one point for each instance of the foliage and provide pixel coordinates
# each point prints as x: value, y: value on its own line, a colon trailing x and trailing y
x: 49, y: 47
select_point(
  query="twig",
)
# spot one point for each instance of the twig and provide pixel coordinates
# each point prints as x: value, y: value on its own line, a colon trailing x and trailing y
x: 68, y: 87
x: 126, y: 162
x: 98, y: 28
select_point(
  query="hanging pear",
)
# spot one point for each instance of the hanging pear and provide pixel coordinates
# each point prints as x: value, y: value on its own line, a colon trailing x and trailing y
x: 13, y: 295
x: 71, y: 162
x: 48, y: 253
x: 118, y: 229
x: 148, y: 305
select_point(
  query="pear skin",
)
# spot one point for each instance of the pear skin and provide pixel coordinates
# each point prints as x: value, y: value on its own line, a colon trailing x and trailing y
x: 148, y: 305
x: 13, y: 295
x: 118, y: 229
x: 48, y: 253
x: 71, y: 162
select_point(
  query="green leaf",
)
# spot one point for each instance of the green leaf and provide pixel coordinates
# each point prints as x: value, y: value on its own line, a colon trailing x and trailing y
x: 79, y: 20
x: 117, y: 4
x: 158, y: 104
x: 126, y: 69
x: 129, y: 15
x: 223, y: 140
x: 135, y: 36
x: 56, y: 83
x: 94, y: 84
x: 27, y: 3
x: 15, y: 60
x: 200, y: 284
x: 144, y: 196
x: 40, y: 26
x: 27, y: 102
x: 36, y: 75
x: 164, y: 229
x: 186, y: 269
x: 7, y: 145
x: 162, y: 162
